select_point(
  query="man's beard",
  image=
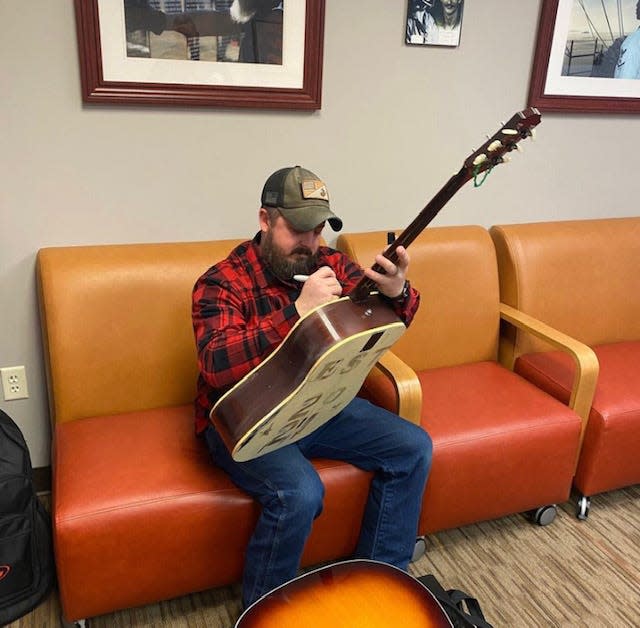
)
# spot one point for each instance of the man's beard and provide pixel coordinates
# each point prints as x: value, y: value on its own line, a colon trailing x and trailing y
x: 285, y: 267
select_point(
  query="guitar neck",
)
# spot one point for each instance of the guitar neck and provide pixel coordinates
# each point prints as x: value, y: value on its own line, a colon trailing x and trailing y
x: 364, y: 287
x: 490, y: 154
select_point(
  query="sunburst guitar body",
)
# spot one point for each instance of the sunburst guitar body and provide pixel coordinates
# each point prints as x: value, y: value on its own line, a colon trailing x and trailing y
x: 349, y: 594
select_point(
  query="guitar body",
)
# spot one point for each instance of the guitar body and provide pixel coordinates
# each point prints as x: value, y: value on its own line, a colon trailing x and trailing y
x: 350, y: 594
x: 313, y: 374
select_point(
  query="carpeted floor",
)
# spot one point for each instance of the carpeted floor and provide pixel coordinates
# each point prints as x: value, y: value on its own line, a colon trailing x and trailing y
x: 569, y: 573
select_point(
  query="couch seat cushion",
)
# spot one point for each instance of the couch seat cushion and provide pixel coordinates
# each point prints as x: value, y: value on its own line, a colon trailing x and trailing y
x: 141, y: 514
x: 609, y: 457
x: 500, y: 445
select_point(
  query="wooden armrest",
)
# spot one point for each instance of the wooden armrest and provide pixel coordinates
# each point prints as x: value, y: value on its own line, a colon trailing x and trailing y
x: 405, y: 382
x: 587, y: 366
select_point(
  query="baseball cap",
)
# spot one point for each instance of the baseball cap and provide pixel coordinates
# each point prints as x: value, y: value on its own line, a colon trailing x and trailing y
x: 301, y: 197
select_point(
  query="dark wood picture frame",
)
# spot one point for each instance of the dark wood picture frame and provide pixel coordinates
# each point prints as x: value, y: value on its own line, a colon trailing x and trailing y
x: 95, y: 89
x: 602, y: 103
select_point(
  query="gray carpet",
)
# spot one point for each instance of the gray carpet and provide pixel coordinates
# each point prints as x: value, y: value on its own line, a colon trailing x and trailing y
x: 569, y: 573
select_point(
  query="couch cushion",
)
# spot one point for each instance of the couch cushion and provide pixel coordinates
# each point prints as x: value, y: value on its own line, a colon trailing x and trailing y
x: 609, y: 457
x: 579, y: 276
x: 140, y: 512
x: 116, y: 324
x: 455, y: 270
x: 500, y: 445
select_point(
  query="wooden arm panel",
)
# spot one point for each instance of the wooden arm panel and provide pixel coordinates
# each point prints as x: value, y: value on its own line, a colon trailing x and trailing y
x: 405, y: 382
x: 587, y: 366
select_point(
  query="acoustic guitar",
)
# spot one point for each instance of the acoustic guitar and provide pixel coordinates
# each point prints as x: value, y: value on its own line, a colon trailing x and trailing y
x: 349, y: 594
x: 321, y: 364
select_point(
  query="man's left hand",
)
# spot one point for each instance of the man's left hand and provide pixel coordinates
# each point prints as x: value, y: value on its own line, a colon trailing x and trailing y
x: 391, y: 283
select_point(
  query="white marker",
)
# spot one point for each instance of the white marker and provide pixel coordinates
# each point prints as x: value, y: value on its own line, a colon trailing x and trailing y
x: 301, y: 278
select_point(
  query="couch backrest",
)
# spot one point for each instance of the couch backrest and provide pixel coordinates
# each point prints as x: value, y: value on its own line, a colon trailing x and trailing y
x: 581, y: 277
x: 116, y: 325
x: 455, y: 270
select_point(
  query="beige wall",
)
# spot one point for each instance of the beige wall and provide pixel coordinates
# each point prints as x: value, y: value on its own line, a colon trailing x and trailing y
x: 395, y: 123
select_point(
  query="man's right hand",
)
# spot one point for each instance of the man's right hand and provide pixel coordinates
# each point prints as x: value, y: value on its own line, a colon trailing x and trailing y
x: 320, y: 288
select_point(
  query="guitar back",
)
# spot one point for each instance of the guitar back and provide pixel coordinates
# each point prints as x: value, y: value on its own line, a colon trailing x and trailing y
x: 350, y: 594
x: 314, y: 373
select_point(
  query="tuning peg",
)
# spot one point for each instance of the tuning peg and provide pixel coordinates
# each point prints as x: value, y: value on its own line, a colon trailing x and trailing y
x: 505, y: 159
x: 494, y: 145
x: 519, y: 148
x: 480, y: 159
x: 509, y: 132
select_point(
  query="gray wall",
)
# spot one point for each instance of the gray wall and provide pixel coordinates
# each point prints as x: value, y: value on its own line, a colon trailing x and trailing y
x: 395, y: 123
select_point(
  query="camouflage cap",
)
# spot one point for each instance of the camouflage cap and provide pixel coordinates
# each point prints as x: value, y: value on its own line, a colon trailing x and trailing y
x: 301, y: 197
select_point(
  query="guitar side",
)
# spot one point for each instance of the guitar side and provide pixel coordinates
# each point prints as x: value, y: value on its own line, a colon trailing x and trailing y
x: 349, y: 594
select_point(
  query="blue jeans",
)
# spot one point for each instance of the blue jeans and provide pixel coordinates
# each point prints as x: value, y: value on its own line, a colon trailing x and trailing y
x: 290, y: 491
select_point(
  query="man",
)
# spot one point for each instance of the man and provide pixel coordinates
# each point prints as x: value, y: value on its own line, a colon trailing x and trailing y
x: 243, y: 307
x: 448, y: 18
x: 628, y: 65
x: 420, y: 22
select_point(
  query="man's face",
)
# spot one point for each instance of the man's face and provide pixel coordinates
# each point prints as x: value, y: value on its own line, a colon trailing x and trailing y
x: 450, y: 6
x: 288, y: 252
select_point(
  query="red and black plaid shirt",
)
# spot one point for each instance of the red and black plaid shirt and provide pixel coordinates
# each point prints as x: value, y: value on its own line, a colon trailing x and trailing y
x: 242, y: 312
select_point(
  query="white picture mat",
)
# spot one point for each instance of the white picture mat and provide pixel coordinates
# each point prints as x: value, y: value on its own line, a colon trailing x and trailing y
x: 118, y: 67
x: 558, y: 85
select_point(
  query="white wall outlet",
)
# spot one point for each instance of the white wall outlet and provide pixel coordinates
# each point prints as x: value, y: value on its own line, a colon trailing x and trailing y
x: 14, y: 383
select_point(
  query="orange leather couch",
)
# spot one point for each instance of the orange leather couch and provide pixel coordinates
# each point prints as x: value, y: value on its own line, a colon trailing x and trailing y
x: 582, y: 277
x: 140, y: 514
x: 501, y: 445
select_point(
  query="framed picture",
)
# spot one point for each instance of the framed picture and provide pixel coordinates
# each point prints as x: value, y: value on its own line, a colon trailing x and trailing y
x: 434, y: 22
x: 217, y: 53
x: 587, y: 57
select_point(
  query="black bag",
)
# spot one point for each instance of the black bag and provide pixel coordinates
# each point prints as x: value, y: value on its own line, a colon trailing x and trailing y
x: 462, y: 609
x: 26, y: 556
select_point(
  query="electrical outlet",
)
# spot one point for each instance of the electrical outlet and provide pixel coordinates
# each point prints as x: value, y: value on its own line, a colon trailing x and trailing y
x: 14, y: 383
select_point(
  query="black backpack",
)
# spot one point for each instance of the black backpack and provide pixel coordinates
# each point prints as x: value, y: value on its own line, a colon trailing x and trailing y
x: 26, y: 556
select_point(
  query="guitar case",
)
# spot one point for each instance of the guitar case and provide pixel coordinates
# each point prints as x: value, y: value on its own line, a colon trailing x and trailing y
x: 462, y: 609
x: 26, y: 551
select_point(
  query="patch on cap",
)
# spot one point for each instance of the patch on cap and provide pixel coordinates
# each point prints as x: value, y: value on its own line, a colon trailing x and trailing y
x: 314, y: 188
x: 270, y: 198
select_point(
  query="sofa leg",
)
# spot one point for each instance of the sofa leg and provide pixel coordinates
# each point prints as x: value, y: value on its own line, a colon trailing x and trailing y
x: 583, y: 507
x: 544, y: 515
x: 419, y: 549
x: 79, y: 623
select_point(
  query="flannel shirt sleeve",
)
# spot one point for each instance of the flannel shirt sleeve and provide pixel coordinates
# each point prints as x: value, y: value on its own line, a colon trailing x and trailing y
x: 228, y: 345
x: 407, y: 309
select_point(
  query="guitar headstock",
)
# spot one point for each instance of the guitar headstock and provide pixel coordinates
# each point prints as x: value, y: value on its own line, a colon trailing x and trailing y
x: 492, y: 152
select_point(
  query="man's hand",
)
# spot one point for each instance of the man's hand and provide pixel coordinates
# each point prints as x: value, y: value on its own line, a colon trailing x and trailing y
x: 319, y: 288
x: 391, y: 283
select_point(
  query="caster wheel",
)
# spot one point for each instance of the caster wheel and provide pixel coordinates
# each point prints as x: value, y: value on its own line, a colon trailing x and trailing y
x: 544, y: 515
x: 419, y: 549
x: 582, y: 511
